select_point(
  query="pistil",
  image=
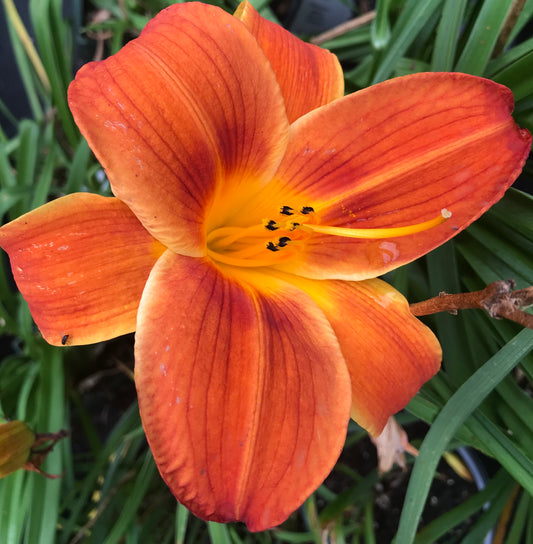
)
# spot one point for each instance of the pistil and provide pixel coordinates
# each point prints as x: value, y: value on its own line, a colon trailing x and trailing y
x: 375, y: 233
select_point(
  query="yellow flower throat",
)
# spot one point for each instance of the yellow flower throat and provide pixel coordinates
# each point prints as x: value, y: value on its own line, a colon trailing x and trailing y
x: 275, y: 241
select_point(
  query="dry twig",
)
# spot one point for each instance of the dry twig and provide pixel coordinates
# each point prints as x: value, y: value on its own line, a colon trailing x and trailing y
x: 341, y: 29
x: 498, y: 299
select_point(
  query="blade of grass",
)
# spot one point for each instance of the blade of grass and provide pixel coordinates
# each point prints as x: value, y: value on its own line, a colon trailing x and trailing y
x: 444, y: 276
x: 522, y: 512
x: 7, y: 178
x: 370, y: 535
x: 14, y: 502
x: 448, y: 31
x: 27, y: 152
x: 487, y: 520
x: 41, y: 188
x: 412, y: 20
x: 56, y: 53
x: 287, y: 536
x: 505, y: 60
x: 355, y: 495
x: 78, y: 167
x: 26, y: 70
x: 380, y: 26
x: 182, y: 517
x: 44, y: 492
x: 459, y: 407
x: 515, y: 76
x: 218, y: 533
x: 4, y: 110
x: 498, y: 445
x: 74, y: 517
x: 447, y: 521
x: 519, y: 402
x: 129, y: 509
x: 515, y: 426
x: 13, y: 507
x: 483, y: 37
x: 26, y: 42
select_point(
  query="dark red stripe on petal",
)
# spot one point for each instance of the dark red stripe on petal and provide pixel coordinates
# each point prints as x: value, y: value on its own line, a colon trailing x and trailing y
x: 390, y: 354
x: 396, y: 154
x: 243, y: 390
x: 309, y: 76
x: 188, y: 113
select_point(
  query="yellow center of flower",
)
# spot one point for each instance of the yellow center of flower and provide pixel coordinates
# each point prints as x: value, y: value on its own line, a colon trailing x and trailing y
x: 275, y: 241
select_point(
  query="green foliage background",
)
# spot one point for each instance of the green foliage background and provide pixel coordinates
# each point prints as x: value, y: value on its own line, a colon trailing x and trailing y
x: 110, y: 490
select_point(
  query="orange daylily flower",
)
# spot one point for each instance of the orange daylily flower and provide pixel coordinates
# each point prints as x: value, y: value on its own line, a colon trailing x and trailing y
x: 254, y: 207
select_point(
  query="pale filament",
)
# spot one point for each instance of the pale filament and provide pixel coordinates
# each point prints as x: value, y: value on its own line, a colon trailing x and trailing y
x: 226, y: 236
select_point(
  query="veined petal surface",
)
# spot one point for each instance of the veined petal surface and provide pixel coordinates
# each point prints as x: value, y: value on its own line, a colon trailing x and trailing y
x: 243, y: 391
x: 188, y: 113
x: 390, y: 354
x: 309, y: 76
x: 81, y: 263
x: 393, y: 155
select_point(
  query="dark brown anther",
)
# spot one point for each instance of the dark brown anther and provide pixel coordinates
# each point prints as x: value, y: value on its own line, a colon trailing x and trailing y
x: 271, y: 225
x: 282, y: 242
x: 286, y: 210
x: 272, y: 246
x: 306, y: 210
x: 64, y: 339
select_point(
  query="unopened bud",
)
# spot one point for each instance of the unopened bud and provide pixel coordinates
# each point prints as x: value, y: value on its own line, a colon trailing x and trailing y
x: 20, y: 448
x: 16, y: 441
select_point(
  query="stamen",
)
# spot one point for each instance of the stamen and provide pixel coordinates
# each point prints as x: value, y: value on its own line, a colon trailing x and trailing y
x: 245, y: 246
x: 376, y: 233
x: 228, y: 235
x: 249, y: 246
x: 270, y: 224
x: 286, y: 210
x: 232, y: 260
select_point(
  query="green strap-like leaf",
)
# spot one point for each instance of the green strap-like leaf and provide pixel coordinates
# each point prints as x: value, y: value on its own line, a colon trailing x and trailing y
x: 460, y: 406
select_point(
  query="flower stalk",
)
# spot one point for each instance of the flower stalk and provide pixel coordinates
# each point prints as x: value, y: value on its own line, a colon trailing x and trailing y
x: 498, y: 299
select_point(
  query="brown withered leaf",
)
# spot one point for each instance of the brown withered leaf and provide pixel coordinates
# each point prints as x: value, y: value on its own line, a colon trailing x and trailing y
x: 391, y: 446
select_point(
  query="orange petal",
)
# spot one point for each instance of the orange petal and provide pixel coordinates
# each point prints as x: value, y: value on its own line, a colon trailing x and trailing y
x: 390, y: 353
x: 393, y: 155
x: 309, y: 76
x: 81, y: 263
x: 189, y: 111
x: 243, y: 391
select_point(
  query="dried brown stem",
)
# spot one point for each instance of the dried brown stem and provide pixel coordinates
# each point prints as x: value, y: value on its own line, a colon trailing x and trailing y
x: 510, y: 20
x: 40, y: 450
x: 498, y: 299
x: 341, y: 29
